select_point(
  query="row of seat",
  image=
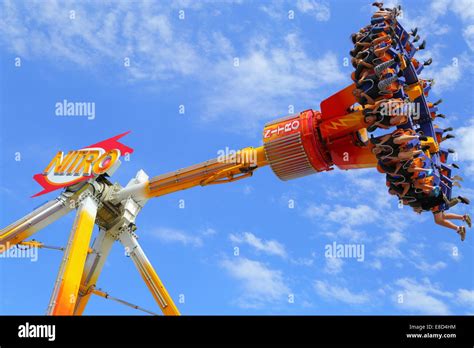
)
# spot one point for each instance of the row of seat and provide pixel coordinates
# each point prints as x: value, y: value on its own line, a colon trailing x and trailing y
x: 393, y: 97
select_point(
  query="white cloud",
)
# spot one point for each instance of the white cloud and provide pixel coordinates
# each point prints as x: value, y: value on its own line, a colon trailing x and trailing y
x: 274, y: 71
x: 303, y: 261
x: 347, y: 233
x: 352, y: 216
x: 170, y: 235
x: 433, y: 24
x: 376, y: 264
x: 100, y: 35
x: 345, y: 215
x: 390, y: 247
x: 445, y: 77
x: 269, y: 77
x: 428, y: 25
x: 464, y: 145
x: 422, y: 298
x: 464, y: 9
x: 271, y: 247
x: 260, y: 283
x: 277, y: 9
x: 449, y: 72
x: 215, y: 43
x: 430, y: 267
x: 341, y: 294
x: 209, y: 232
x: 468, y: 34
x: 439, y: 7
x: 274, y: 9
x: 314, y: 211
x: 466, y: 297
x: 317, y: 9
x: 333, y: 265
x: 372, y: 184
x: 418, y: 260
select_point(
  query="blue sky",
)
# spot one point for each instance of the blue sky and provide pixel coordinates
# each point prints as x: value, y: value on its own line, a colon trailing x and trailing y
x: 80, y: 55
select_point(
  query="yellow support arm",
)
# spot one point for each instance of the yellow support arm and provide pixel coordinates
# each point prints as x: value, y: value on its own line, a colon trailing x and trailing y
x: 66, y: 289
x: 220, y: 170
x: 149, y: 275
x: 32, y: 223
x: 40, y: 245
x: 38, y: 219
x: 93, y: 267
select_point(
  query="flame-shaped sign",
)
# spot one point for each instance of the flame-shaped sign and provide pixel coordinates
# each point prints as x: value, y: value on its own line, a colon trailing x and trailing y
x: 81, y: 165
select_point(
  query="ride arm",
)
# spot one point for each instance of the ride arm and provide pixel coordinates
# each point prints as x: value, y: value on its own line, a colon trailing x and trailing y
x: 66, y: 288
x: 216, y: 171
x: 38, y: 219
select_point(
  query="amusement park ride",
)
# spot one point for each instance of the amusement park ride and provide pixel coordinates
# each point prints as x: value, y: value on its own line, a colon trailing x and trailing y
x: 293, y: 146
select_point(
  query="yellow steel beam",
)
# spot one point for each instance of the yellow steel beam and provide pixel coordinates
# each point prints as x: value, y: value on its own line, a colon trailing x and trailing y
x: 38, y: 219
x: 32, y: 223
x: 93, y: 267
x: 231, y: 167
x: 66, y: 289
x: 149, y: 275
x: 40, y: 245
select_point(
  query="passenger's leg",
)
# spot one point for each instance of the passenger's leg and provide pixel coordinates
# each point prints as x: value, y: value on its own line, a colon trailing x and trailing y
x: 440, y: 220
x: 466, y: 218
x: 451, y: 216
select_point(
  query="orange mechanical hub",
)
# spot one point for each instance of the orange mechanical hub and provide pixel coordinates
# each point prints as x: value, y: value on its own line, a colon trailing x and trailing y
x: 293, y: 146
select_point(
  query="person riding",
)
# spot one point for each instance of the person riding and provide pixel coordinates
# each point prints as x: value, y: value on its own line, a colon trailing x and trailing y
x: 442, y: 218
x: 386, y: 113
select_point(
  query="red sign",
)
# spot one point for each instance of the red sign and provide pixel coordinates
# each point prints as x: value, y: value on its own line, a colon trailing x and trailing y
x: 80, y: 165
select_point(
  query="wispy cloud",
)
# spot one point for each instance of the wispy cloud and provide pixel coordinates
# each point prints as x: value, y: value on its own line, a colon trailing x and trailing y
x: 345, y: 215
x: 468, y: 34
x: 279, y: 9
x: 427, y: 267
x: 316, y: 211
x: 274, y: 69
x: 270, y: 76
x: 333, y: 265
x: 423, y: 298
x: 445, y: 77
x: 463, y: 8
x: 449, y: 75
x: 390, y: 247
x: 420, y: 262
x: 271, y: 247
x: 260, y: 284
x: 275, y: 9
x: 170, y: 235
x: 349, y: 233
x: 464, y: 145
x: 208, y: 231
x: 466, y: 298
x: 352, y: 216
x: 318, y: 9
x: 339, y: 294
x: 92, y: 35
